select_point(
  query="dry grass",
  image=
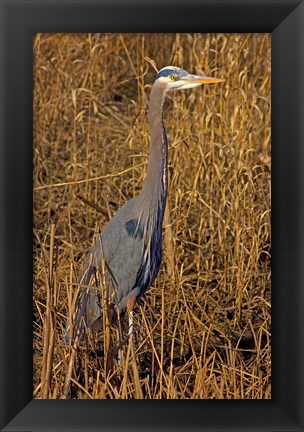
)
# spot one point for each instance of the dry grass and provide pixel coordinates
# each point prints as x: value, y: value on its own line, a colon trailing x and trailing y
x: 204, y: 327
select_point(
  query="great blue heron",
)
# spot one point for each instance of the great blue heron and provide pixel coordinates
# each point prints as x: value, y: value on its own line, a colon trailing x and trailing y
x: 128, y: 252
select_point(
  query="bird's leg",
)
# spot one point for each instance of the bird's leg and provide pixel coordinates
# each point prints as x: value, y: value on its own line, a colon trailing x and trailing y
x: 118, y: 330
x: 138, y: 391
x: 130, y: 305
x: 119, y: 352
x: 130, y: 323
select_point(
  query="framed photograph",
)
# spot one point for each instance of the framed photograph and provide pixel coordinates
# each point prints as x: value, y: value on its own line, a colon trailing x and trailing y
x: 94, y: 125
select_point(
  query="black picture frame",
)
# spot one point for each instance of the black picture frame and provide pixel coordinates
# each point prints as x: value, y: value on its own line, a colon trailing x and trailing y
x: 19, y: 21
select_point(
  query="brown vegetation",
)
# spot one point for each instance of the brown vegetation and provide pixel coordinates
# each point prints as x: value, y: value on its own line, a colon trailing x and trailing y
x: 203, y: 329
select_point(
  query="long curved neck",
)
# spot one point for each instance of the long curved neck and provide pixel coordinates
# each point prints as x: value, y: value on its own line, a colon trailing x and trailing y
x: 155, y: 186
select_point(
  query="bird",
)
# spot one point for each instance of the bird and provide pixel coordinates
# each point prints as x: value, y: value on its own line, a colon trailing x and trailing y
x: 128, y: 252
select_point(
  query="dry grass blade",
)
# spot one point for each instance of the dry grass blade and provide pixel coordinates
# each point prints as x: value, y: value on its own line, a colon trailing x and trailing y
x: 49, y: 323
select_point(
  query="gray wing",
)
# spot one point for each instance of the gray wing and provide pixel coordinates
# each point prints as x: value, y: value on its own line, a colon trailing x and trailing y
x: 117, y: 253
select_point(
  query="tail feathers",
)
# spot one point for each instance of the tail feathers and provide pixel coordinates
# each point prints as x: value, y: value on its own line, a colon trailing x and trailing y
x: 88, y: 308
x: 79, y: 325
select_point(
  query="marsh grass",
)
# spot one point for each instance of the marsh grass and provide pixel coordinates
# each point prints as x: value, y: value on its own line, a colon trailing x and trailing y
x: 203, y: 329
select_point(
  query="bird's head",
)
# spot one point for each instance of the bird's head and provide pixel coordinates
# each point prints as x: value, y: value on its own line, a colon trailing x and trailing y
x: 174, y: 78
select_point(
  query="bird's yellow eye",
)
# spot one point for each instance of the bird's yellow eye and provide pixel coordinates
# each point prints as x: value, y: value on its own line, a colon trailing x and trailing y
x: 173, y: 77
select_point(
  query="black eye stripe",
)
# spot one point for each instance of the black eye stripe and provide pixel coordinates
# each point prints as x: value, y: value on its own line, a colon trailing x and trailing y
x: 165, y: 73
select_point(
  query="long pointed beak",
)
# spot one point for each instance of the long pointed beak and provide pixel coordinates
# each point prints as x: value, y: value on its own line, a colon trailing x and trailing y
x: 196, y: 79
